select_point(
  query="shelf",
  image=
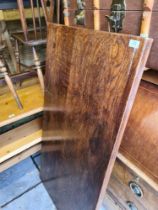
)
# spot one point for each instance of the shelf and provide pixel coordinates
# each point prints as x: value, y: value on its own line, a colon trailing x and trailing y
x: 20, y: 139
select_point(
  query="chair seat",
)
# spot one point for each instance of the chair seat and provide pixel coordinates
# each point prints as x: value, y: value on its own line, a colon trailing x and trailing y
x: 40, y: 40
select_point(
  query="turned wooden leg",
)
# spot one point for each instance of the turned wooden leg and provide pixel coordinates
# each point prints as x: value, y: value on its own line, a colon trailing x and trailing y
x: 9, y: 46
x: 3, y: 71
x: 38, y: 68
x: 17, y: 56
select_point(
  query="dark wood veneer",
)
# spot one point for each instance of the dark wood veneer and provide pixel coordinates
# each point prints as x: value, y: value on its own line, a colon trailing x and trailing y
x: 93, y: 77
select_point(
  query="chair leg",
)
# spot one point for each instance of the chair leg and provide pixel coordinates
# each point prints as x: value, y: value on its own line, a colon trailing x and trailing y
x: 38, y: 68
x: 3, y: 70
x: 17, y: 55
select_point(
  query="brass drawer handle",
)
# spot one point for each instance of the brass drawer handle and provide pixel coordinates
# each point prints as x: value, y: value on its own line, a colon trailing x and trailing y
x: 136, y: 189
x: 131, y: 205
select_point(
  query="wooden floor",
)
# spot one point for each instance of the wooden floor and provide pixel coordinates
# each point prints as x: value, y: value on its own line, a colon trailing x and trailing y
x: 9, y: 111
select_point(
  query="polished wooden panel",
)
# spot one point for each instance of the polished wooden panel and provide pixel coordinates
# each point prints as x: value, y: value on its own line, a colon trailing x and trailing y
x: 91, y: 81
x: 132, y: 24
x: 142, y: 131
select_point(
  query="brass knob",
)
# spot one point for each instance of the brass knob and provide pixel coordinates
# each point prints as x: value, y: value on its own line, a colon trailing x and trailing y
x: 136, y: 189
x: 131, y: 205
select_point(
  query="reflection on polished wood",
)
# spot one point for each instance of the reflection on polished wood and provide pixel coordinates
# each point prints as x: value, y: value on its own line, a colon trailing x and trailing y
x: 94, y: 75
x: 59, y: 136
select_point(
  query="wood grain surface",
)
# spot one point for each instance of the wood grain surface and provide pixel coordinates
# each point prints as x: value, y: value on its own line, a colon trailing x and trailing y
x: 132, y: 25
x: 140, y: 19
x: 142, y: 131
x: 91, y: 81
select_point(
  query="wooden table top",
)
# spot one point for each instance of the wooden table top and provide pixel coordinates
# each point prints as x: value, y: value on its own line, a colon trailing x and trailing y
x: 92, y: 78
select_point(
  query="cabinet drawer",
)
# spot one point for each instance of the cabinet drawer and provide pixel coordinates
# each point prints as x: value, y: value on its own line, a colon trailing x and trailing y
x: 130, y: 190
x: 110, y: 204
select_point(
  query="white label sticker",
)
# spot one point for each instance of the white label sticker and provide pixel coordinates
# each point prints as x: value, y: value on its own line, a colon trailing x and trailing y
x: 144, y: 35
x: 134, y: 43
x: 11, y: 116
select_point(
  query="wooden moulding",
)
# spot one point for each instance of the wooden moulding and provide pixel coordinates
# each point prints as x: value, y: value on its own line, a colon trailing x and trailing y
x: 19, y: 157
x: 20, y: 139
x: 96, y: 86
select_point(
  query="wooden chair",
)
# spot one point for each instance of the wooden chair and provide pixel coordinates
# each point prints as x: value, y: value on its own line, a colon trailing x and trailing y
x: 5, y: 43
x: 34, y: 37
x: 37, y: 35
